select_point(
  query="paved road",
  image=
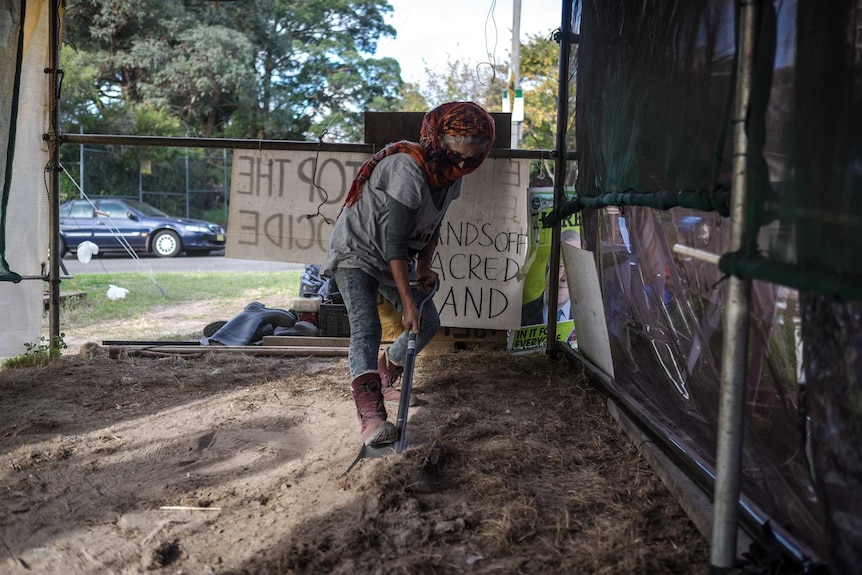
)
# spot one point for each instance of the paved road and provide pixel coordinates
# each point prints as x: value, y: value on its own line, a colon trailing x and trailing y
x: 112, y: 264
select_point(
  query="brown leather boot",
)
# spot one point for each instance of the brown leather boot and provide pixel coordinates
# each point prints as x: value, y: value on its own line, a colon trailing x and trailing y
x: 370, y: 411
x: 389, y: 374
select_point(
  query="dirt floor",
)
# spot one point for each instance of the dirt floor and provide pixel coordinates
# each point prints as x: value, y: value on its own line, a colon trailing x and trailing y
x: 235, y: 464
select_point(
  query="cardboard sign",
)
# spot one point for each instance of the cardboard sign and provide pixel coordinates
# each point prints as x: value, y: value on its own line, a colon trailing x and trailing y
x: 283, y: 205
x: 589, y: 311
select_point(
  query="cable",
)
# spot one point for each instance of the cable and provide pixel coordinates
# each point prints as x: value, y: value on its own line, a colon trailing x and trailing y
x: 314, y: 173
x: 491, y: 54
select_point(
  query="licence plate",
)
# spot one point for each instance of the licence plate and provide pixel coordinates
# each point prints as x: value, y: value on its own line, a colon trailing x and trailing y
x: 220, y: 237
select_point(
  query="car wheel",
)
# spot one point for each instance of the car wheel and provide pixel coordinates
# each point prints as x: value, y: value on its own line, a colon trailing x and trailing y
x: 63, y: 249
x: 166, y: 244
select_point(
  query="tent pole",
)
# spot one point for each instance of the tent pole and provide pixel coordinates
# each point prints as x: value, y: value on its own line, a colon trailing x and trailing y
x: 54, y: 176
x: 736, y: 320
x: 559, y: 172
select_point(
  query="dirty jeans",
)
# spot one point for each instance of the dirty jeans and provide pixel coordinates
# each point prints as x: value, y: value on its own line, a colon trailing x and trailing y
x: 359, y: 291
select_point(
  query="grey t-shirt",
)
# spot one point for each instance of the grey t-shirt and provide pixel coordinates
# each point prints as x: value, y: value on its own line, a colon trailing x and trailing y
x: 358, y: 239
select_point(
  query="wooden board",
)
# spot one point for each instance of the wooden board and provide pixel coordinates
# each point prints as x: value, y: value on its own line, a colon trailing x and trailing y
x: 166, y: 350
x: 382, y: 128
x: 291, y: 340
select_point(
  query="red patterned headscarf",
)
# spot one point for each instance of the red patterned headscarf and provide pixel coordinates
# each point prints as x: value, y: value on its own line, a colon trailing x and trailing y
x: 451, y: 120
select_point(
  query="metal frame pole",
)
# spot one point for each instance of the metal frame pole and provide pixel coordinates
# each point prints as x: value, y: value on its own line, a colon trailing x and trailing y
x: 516, y: 69
x: 188, y: 203
x: 559, y: 171
x: 53, y: 72
x: 224, y: 181
x: 734, y: 359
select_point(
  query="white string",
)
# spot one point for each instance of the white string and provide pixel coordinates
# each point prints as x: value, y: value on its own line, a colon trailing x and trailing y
x: 116, y: 232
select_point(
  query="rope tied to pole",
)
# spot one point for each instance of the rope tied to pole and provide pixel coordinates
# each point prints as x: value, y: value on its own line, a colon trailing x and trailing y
x: 715, y: 200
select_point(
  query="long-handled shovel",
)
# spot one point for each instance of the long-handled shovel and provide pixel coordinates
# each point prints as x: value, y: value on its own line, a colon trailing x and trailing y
x: 400, y: 444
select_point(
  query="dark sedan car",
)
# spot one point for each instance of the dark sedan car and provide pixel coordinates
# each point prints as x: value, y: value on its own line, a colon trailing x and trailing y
x: 118, y: 224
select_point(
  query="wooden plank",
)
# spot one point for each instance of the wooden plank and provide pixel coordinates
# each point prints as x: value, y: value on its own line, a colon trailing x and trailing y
x: 382, y: 128
x: 286, y: 351
x: 293, y: 340
x: 66, y: 297
x: 696, y: 504
x: 146, y: 343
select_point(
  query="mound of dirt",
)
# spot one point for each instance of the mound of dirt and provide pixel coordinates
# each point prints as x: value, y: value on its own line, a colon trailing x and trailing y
x: 235, y: 464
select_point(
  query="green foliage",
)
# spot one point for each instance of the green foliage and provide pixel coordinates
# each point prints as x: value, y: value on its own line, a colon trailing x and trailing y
x: 540, y: 59
x: 268, y: 69
x: 202, y: 75
x: 216, y: 215
x: 38, y: 353
x: 89, y: 104
x: 411, y: 100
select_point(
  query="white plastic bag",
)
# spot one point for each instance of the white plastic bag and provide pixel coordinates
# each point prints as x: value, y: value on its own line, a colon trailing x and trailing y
x: 115, y: 293
x: 86, y: 250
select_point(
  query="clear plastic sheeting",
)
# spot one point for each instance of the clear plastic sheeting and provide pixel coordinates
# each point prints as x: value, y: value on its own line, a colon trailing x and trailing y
x: 23, y: 157
x: 656, y: 85
x: 664, y: 314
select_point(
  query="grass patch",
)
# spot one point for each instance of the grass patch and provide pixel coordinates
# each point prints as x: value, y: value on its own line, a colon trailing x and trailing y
x: 148, y: 293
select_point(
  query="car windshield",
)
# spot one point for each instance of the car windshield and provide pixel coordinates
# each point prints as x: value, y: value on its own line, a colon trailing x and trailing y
x: 147, y: 209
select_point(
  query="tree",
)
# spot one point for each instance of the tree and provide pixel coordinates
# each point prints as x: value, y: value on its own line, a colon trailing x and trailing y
x: 359, y: 85
x: 202, y: 76
x: 411, y: 100
x: 540, y: 59
x: 463, y: 80
x: 485, y: 82
x: 89, y: 105
x: 264, y: 69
